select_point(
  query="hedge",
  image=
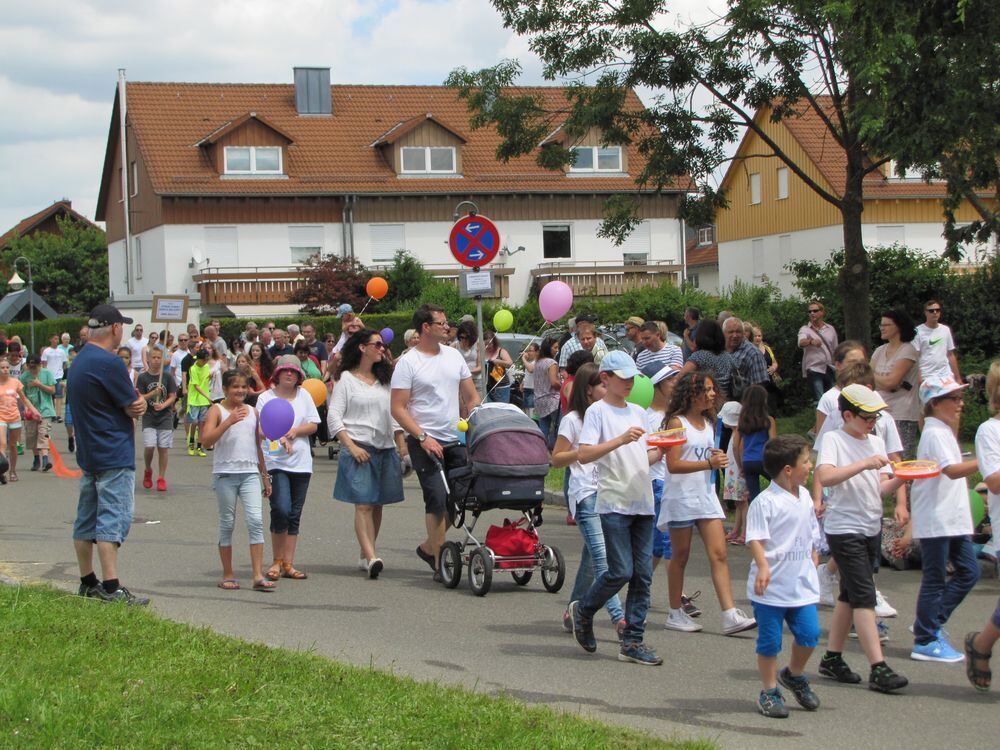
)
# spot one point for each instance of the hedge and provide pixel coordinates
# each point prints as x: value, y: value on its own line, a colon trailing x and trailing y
x: 44, y: 328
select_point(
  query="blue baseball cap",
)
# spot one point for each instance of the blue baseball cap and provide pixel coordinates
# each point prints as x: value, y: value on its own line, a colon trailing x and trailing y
x: 619, y: 363
x: 344, y: 309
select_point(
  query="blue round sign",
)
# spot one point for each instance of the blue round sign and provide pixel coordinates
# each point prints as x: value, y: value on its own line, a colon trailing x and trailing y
x: 474, y: 241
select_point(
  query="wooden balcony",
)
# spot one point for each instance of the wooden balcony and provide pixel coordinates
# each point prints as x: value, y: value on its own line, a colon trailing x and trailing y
x: 606, y: 279
x: 450, y: 273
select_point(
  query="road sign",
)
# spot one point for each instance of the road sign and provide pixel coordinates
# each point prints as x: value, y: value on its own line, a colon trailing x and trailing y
x: 474, y: 241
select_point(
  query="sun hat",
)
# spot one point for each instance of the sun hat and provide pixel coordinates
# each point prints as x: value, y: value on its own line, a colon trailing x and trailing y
x: 863, y: 399
x: 936, y: 387
x: 288, y: 362
x: 664, y: 373
x: 619, y: 363
x: 344, y: 309
x: 635, y: 320
x: 730, y: 413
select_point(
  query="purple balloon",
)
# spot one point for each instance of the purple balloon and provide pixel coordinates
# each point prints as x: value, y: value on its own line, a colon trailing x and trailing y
x: 387, y: 335
x: 555, y: 300
x: 276, y: 418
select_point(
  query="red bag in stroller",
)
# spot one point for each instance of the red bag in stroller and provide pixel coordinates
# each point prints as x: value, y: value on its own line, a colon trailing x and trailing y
x: 511, y: 540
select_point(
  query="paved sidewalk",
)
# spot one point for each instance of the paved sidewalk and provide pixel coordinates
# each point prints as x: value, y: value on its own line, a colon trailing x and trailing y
x: 509, y: 642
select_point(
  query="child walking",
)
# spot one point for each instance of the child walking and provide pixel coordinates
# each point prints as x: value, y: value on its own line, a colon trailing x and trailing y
x: 942, y: 521
x: 612, y: 438
x: 160, y: 392
x: 853, y: 465
x: 198, y: 399
x: 691, y: 502
x: 754, y: 429
x: 39, y: 386
x: 783, y: 585
x: 239, y: 476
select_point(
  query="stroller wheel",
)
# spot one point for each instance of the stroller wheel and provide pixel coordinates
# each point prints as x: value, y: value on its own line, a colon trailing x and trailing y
x: 480, y: 571
x: 451, y: 564
x: 553, y: 570
x: 521, y: 577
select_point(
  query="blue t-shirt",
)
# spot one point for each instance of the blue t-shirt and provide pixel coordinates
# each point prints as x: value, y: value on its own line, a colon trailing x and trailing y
x: 753, y: 445
x: 99, y: 389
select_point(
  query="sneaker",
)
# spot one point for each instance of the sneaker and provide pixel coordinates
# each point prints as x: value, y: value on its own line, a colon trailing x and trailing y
x: 882, y: 607
x: 120, y: 596
x: 47, y: 466
x: 826, y: 585
x: 772, y: 705
x: 583, y: 628
x: 800, y: 689
x: 688, y: 605
x: 736, y: 621
x: 201, y: 452
x: 836, y: 668
x: 362, y: 564
x: 678, y: 620
x: 375, y: 567
x: 20, y: 449
x: 36, y: 464
x: 161, y: 485
x: 147, y: 479
x: 639, y: 653
x: 936, y: 650
x: 883, y: 680
x: 84, y: 591
x: 567, y: 621
x: 72, y: 445
x: 190, y: 449
x: 883, y: 632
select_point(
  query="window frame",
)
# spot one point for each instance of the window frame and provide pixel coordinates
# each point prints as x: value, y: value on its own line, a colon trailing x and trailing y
x: 706, y: 239
x: 253, y: 161
x: 595, y: 160
x: 756, y: 192
x: 551, y: 228
x: 427, y: 160
x: 782, y: 178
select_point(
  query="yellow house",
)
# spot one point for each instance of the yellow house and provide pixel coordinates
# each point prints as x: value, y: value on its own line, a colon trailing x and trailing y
x: 774, y: 218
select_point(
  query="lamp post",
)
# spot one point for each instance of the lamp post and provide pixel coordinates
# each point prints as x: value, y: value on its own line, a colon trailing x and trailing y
x: 17, y: 284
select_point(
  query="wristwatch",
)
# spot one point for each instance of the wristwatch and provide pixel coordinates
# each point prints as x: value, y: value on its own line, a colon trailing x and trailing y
x: 421, y: 437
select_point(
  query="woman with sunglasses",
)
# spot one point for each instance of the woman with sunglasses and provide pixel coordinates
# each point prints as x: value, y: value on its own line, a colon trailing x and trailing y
x: 369, y: 473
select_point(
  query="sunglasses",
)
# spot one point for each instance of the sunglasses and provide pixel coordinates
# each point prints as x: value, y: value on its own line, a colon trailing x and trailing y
x: 377, y: 344
x: 815, y: 311
x: 867, y: 417
x: 933, y: 309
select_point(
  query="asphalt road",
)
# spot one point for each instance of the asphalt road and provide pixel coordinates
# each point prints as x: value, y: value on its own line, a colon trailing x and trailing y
x: 509, y: 642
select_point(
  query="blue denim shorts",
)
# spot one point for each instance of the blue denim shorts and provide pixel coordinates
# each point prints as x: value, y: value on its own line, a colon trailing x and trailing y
x: 689, y: 524
x: 377, y: 481
x: 196, y: 414
x: 802, y: 621
x: 104, y: 510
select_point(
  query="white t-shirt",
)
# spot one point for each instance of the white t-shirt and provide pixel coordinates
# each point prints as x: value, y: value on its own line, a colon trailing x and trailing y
x: 175, y: 365
x: 300, y: 459
x: 885, y: 427
x: 691, y: 496
x: 787, y: 525
x: 934, y: 345
x: 988, y: 453
x: 939, y: 506
x: 582, y: 477
x: 433, y: 382
x: 855, y: 505
x: 623, y: 484
x: 54, y: 358
x: 136, y: 346
x: 654, y: 423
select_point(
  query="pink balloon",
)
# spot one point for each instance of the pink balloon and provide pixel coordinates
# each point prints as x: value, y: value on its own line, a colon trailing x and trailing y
x: 555, y: 300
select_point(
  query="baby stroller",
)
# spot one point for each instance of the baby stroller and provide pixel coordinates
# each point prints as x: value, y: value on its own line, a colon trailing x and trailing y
x: 508, y: 462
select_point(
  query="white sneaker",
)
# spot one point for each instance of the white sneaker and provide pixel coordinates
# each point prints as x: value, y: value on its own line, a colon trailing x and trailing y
x: 677, y: 620
x: 375, y: 567
x: 736, y: 621
x: 363, y: 564
x: 826, y: 584
x: 882, y: 607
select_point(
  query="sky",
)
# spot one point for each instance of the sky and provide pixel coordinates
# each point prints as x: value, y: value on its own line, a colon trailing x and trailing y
x: 59, y: 67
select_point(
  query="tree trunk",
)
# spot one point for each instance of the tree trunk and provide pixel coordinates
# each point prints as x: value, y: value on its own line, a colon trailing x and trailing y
x: 854, y: 282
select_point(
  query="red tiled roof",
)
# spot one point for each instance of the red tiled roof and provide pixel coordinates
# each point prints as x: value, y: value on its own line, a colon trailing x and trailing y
x: 400, y: 129
x: 701, y: 255
x: 236, y: 124
x: 332, y: 154
x: 23, y: 227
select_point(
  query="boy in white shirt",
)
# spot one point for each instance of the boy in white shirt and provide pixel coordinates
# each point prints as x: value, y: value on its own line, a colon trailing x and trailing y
x: 783, y: 585
x: 853, y: 464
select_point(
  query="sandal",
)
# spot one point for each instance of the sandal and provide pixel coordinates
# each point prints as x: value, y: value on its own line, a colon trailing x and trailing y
x: 274, y: 572
x: 12, y: 476
x: 287, y: 571
x: 262, y: 584
x: 229, y: 584
x: 977, y: 676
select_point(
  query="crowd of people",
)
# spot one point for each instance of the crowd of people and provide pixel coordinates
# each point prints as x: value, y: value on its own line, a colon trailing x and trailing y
x: 636, y: 505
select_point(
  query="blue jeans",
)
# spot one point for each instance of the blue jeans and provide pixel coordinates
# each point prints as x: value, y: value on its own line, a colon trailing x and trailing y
x: 104, y: 509
x: 819, y: 382
x: 628, y: 541
x: 939, y: 595
x: 661, y: 539
x: 244, y: 489
x: 288, y: 495
x: 752, y: 472
x: 549, y: 425
x: 594, y: 560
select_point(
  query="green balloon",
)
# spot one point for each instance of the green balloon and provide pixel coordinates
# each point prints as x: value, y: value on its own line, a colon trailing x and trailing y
x: 642, y: 392
x: 978, y: 509
x: 502, y: 320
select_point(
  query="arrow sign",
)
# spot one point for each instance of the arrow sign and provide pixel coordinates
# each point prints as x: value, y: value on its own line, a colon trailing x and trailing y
x: 474, y: 241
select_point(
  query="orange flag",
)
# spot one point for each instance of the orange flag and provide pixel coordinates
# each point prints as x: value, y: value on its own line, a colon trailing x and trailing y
x: 59, y: 467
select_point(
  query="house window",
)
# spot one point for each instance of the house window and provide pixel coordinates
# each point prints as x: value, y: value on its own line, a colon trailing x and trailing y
x: 137, y: 245
x: 597, y: 159
x: 253, y: 160
x: 754, y: 188
x: 428, y: 159
x: 556, y: 241
x: 705, y: 236
x: 758, y: 257
x: 304, y: 243
x: 134, y: 178
x: 387, y: 240
x: 694, y: 281
x: 893, y: 234
x: 635, y: 249
x: 785, y: 252
x: 782, y: 183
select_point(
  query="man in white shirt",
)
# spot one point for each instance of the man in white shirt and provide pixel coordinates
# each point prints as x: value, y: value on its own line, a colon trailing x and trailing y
x: 427, y: 387
x: 936, y: 346
x: 818, y: 341
x: 137, y: 345
x: 54, y: 360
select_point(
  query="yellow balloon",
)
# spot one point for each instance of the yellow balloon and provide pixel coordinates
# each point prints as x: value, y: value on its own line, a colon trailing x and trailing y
x: 502, y: 320
x: 463, y: 426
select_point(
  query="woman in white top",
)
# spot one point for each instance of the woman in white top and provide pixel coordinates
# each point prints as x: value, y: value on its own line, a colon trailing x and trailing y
x: 239, y: 476
x: 690, y: 500
x: 289, y: 462
x: 215, y: 370
x: 897, y: 375
x: 368, y: 474
x: 467, y: 343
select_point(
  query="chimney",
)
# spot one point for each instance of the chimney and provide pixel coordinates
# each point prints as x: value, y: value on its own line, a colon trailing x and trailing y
x: 312, y: 91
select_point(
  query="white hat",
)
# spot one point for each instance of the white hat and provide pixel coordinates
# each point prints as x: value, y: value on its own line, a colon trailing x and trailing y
x: 730, y: 413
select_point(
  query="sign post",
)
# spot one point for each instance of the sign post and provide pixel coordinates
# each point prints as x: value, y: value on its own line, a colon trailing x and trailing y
x: 167, y: 309
x: 475, y: 242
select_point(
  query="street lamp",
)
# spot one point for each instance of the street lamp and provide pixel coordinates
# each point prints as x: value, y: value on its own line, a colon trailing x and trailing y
x: 17, y: 284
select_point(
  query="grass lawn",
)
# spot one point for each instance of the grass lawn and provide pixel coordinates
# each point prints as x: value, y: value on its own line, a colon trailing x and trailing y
x: 76, y: 673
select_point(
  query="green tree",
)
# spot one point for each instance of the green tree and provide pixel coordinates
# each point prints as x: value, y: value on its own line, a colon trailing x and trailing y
x: 781, y: 56
x: 69, y: 271
x: 330, y: 281
x: 407, y: 280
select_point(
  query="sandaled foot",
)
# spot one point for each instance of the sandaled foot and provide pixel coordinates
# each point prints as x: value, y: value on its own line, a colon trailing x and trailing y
x: 980, y: 678
x: 229, y: 584
x: 274, y: 572
x: 12, y: 476
x: 262, y: 584
x: 287, y: 571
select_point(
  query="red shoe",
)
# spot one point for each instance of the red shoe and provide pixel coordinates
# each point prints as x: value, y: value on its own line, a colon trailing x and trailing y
x: 161, y: 485
x: 147, y: 479
x: 570, y: 521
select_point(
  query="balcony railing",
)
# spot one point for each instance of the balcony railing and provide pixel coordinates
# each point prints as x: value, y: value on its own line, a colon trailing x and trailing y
x: 604, y: 278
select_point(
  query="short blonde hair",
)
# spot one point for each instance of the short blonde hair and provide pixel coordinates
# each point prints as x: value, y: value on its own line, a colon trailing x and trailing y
x: 993, y: 386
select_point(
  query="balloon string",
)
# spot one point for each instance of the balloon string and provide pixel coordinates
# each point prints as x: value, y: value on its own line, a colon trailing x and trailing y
x: 530, y: 342
x: 365, y: 307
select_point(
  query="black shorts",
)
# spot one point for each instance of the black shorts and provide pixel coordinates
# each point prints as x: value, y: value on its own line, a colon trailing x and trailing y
x: 435, y: 494
x: 856, y: 555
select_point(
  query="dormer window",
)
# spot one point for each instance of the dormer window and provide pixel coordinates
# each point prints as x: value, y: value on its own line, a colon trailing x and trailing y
x: 253, y: 160
x: 597, y: 159
x: 428, y: 160
x: 704, y: 236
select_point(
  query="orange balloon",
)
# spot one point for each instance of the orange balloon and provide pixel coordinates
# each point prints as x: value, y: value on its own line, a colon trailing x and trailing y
x: 377, y: 287
x: 317, y: 389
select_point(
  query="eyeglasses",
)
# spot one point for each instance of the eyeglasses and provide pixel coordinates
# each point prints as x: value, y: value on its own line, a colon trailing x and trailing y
x: 933, y: 309
x: 442, y: 323
x: 815, y: 311
x: 869, y: 418
x: 270, y: 328
x: 377, y: 344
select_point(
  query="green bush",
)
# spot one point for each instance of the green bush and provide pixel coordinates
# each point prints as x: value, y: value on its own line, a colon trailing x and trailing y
x: 43, y: 329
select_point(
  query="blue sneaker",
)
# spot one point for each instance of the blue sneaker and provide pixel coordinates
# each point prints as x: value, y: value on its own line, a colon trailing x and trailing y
x: 583, y: 628
x: 800, y: 688
x: 639, y: 653
x: 937, y: 650
x: 772, y: 705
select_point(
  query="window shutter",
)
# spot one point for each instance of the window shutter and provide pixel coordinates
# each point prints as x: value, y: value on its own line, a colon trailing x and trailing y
x: 386, y: 240
x: 637, y: 244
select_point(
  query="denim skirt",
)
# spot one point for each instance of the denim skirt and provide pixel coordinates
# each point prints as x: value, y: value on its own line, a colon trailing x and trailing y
x: 377, y: 481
